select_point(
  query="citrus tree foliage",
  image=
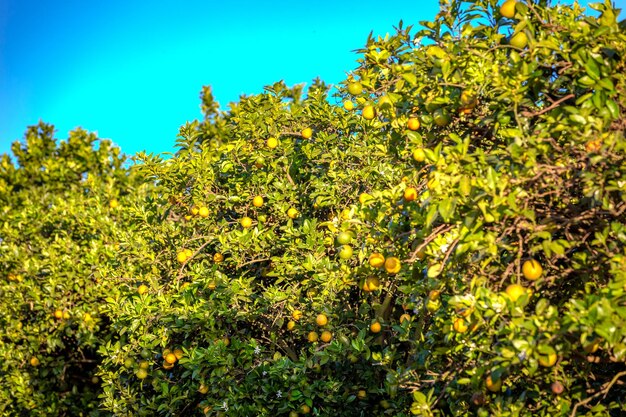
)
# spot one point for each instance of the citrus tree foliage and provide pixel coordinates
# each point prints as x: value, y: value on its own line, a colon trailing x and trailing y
x: 443, y: 236
x: 60, y: 208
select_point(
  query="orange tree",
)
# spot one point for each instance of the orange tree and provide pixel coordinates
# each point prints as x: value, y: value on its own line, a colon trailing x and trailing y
x: 447, y: 239
x: 60, y: 207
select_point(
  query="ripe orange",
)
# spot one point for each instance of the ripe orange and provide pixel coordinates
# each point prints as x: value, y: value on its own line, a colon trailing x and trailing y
x: 371, y: 284
x: 307, y: 133
x: 508, y: 9
x: 362, y: 394
x: 355, y: 88
x: 376, y: 327
x: 34, y: 361
x: 291, y: 325
x: 515, y: 291
x: 181, y: 256
x: 410, y: 194
x: 170, y: 358
x: 305, y: 409
x: 392, y: 265
x: 321, y: 320
x: 203, y: 389
x: 348, y: 105
x: 257, y: 201
x: 547, y: 358
x: 460, y: 325
x: 58, y: 314
x: 376, y: 260
x: 292, y: 213
x: 203, y: 211
x: 296, y: 315
x: 413, y: 123
x: 312, y: 337
x: 194, y: 210
x: 246, y: 222
x: 369, y: 112
x: 493, y: 385
x: 593, y: 145
x: 218, y: 257
x: 404, y: 318
x: 113, y: 203
x: 272, y: 143
x: 433, y: 295
x: 326, y: 336
x: 178, y: 353
x: 142, y: 289
x: 532, y: 270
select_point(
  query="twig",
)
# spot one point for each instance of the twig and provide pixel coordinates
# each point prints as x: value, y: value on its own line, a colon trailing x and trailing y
x: 605, y: 391
x: 550, y: 107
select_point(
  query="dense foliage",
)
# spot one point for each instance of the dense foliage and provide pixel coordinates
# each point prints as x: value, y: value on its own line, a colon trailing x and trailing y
x: 443, y: 235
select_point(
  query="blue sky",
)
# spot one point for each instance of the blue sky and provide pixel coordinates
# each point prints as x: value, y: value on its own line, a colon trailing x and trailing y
x: 132, y: 70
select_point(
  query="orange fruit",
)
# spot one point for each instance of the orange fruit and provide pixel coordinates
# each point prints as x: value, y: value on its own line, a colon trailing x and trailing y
x: 218, y: 257
x: 326, y: 336
x: 413, y: 123
x: 291, y: 325
x: 142, y: 289
x: 307, y: 133
x: 194, y: 210
x: 493, y: 385
x: 257, y: 201
x: 592, y: 347
x: 376, y: 260
x: 113, y: 203
x: 532, y: 270
x: 376, y: 327
x: 312, y: 337
x: 355, y: 88
x: 203, y: 389
x: 508, y: 9
x: 419, y: 155
x: 34, y: 361
x: 371, y: 284
x: 203, y: 211
x: 410, y: 194
x: 181, y: 256
x: 346, y: 252
x: 272, y: 143
x: 460, y: 325
x: 348, y: 105
x: 392, y: 265
x: 362, y: 394
x: 292, y: 213
x: 369, y: 112
x: 593, y: 145
x: 141, y: 373
x: 547, y: 358
x: 404, y: 318
x: 246, y: 222
x: 170, y: 358
x: 519, y: 40
x: 58, y: 314
x: 515, y: 291
x: 178, y: 353
x: 296, y: 315
x: 321, y: 320
x: 344, y: 238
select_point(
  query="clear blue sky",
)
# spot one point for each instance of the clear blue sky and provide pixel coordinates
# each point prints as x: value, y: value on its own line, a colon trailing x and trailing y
x: 132, y: 70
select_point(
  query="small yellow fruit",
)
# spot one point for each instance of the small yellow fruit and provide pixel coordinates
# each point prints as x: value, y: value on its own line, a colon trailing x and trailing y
x: 515, y: 291
x: 376, y: 327
x: 194, y: 210
x: 326, y: 336
x: 307, y: 133
x: 321, y: 320
x: 312, y: 337
x: 291, y: 325
x: 369, y: 112
x: 292, y: 213
x: 246, y: 222
x: 362, y: 394
x: 348, y: 105
x: 66, y: 315
x: 142, y: 289
x: 34, y: 361
x: 203, y: 211
x: 376, y: 260
x: 272, y: 143
x: 170, y: 358
x: 434, y: 295
x: 141, y: 373
x: 532, y: 270
x: 58, y: 314
x: 296, y: 315
x: 203, y: 389
x: 410, y: 194
x: 257, y: 201
x: 519, y: 40
x: 167, y: 365
x: 371, y: 284
x: 355, y: 88
x: 181, y: 256
x: 547, y: 359
x: 493, y: 386
x: 460, y: 325
x: 218, y: 257
x: 508, y: 9
x: 593, y: 145
x: 113, y: 203
x: 404, y: 317
x: 179, y: 353
x: 413, y: 123
x: 188, y: 252
x: 419, y: 155
x: 392, y: 265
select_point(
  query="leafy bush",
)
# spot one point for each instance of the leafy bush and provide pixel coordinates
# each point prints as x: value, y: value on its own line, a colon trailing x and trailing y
x: 446, y: 238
